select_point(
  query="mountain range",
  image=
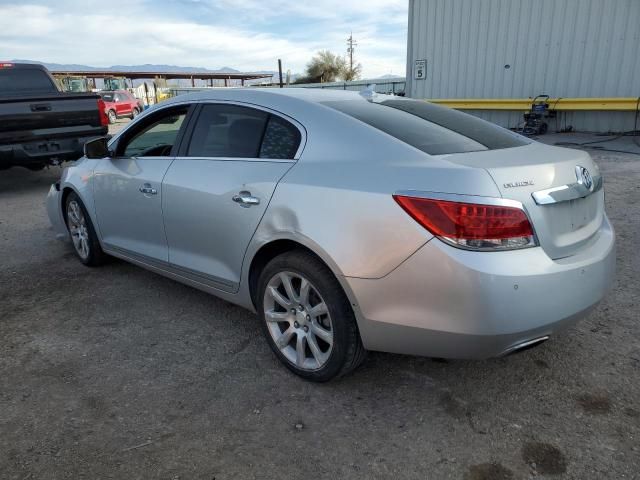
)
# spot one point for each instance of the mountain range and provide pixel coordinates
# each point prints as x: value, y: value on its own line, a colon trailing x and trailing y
x: 71, y: 67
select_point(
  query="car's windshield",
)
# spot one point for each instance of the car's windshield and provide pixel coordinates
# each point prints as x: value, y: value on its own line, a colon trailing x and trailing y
x: 433, y: 129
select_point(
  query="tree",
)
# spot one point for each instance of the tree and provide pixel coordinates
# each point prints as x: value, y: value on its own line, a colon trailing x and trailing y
x: 351, y: 74
x: 325, y: 67
x: 328, y: 67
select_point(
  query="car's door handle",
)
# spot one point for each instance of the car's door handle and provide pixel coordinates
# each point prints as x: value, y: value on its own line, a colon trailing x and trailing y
x: 245, y: 199
x: 147, y: 189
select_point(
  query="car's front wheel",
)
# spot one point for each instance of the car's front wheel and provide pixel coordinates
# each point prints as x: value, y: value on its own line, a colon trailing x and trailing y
x: 134, y: 113
x: 307, y: 318
x: 83, y: 235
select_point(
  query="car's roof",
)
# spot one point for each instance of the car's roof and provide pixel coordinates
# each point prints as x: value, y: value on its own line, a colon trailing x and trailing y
x: 18, y: 65
x: 315, y: 95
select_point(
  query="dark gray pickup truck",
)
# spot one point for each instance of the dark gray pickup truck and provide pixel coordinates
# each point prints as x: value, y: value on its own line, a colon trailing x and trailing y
x: 39, y: 125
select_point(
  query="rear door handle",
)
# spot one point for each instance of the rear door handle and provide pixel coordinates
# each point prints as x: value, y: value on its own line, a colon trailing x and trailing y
x: 245, y: 199
x: 147, y: 189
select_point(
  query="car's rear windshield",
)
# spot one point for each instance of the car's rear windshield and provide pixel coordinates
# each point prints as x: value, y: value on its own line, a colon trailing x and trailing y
x: 17, y: 81
x: 107, y: 97
x: 431, y: 128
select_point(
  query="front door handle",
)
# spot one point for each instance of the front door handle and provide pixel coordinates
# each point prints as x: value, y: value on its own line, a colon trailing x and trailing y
x: 147, y: 189
x: 245, y: 199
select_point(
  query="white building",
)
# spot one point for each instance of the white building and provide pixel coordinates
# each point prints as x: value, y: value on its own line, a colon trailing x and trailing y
x: 496, y: 49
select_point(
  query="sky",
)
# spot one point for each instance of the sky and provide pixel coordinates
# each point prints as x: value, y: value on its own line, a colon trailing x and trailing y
x: 247, y: 35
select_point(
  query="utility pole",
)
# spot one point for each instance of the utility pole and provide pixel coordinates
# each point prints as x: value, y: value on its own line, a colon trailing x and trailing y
x: 351, y: 45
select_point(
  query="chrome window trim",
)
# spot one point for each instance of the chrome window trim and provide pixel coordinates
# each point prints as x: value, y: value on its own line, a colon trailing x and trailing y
x: 480, y: 200
x: 571, y: 191
x: 284, y: 116
x: 238, y: 159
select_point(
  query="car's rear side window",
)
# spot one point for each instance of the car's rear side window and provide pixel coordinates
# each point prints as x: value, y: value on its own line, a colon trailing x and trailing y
x: 281, y: 139
x: 435, y: 131
x: 236, y: 131
x: 228, y: 131
x: 15, y: 81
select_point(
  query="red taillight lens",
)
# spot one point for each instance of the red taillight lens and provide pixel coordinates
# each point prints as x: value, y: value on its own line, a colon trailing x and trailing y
x: 104, y: 120
x: 471, y: 225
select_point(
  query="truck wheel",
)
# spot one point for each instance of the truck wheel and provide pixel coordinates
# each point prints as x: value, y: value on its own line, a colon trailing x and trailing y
x: 112, y: 116
x: 83, y: 235
x: 307, y: 318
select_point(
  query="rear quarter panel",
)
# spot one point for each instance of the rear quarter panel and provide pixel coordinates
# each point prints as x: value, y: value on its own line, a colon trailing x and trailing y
x: 339, y: 195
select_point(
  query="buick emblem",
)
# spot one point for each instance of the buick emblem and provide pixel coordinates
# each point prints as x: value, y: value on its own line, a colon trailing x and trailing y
x: 584, y: 177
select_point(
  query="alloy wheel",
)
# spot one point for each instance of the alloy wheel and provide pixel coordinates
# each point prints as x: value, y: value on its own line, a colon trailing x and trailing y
x: 78, y: 229
x: 298, y: 320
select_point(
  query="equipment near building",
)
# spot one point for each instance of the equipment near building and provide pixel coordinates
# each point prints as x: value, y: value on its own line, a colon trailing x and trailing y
x: 74, y: 84
x: 534, y: 119
x: 115, y: 83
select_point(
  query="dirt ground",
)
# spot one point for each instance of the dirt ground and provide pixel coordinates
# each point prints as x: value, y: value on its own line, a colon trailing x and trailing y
x: 118, y: 373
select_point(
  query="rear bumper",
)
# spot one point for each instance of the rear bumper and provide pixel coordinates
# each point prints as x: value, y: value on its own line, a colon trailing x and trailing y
x: 451, y: 303
x: 54, y: 211
x: 43, y: 152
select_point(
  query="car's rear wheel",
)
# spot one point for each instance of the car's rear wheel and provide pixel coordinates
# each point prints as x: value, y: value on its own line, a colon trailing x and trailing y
x: 307, y: 318
x: 112, y: 116
x: 83, y: 235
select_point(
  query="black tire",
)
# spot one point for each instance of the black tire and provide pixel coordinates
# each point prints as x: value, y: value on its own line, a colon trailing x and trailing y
x: 134, y: 113
x: 544, y: 128
x: 95, y: 256
x: 111, y: 114
x: 347, y: 352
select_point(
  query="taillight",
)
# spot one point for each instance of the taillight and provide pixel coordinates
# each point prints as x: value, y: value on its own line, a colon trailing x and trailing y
x: 104, y: 120
x: 473, y: 226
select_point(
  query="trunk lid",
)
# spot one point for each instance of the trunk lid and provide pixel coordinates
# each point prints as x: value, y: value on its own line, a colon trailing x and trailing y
x: 564, y: 226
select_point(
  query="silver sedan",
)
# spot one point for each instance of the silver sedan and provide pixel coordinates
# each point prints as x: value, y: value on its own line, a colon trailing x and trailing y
x: 348, y: 222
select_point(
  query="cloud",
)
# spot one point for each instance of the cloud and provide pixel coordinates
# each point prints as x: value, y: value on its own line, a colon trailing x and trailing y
x: 243, y: 34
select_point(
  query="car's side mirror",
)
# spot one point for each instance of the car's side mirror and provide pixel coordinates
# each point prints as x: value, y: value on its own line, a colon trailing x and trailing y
x: 97, y: 148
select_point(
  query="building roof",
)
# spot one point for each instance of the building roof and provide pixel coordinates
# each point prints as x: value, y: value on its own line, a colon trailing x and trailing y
x: 165, y: 75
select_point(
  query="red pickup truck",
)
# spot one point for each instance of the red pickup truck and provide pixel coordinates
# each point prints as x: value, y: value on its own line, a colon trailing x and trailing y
x: 120, y: 103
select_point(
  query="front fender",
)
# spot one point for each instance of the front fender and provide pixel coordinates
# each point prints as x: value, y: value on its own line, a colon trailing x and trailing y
x: 78, y: 178
x: 54, y: 211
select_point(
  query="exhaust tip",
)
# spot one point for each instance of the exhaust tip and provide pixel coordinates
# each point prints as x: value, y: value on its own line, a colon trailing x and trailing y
x: 521, y: 347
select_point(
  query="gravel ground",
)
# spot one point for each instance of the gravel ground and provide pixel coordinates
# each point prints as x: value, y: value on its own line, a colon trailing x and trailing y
x: 119, y: 373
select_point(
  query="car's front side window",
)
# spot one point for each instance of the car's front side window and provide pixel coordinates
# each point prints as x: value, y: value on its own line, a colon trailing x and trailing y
x: 155, y: 137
